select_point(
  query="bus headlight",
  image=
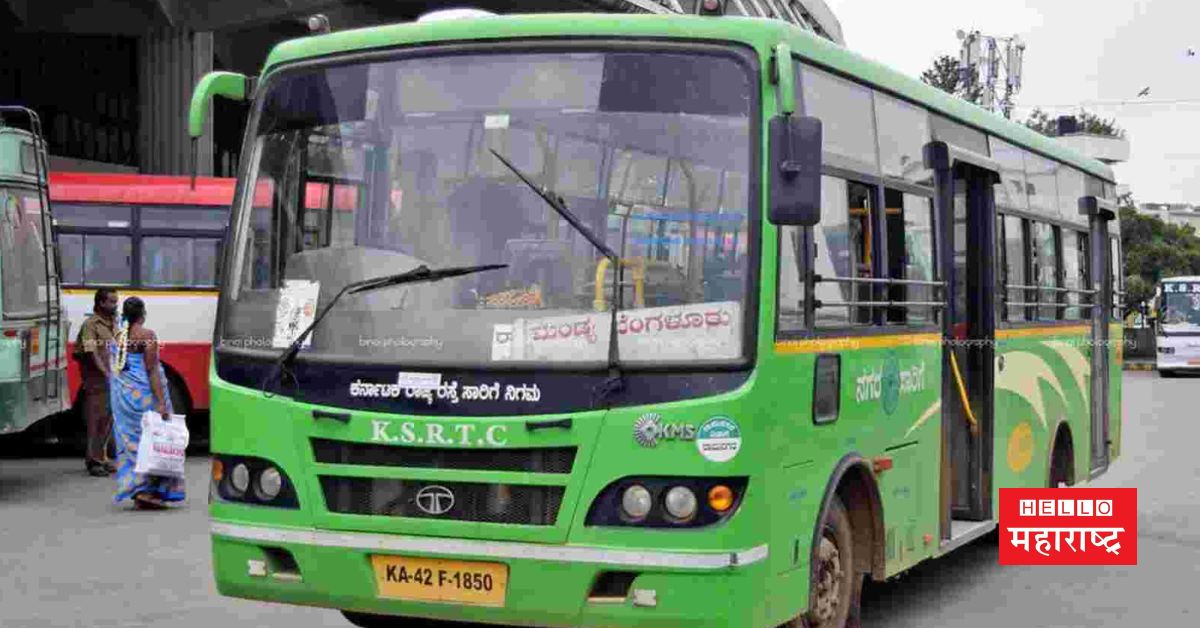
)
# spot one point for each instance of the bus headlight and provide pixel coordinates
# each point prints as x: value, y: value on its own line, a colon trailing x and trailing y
x: 680, y: 503
x: 239, y: 479
x: 636, y: 502
x: 666, y: 502
x: 269, y: 483
x: 245, y: 480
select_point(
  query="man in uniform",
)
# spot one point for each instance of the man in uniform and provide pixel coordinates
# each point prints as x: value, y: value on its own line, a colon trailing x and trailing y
x: 91, y: 350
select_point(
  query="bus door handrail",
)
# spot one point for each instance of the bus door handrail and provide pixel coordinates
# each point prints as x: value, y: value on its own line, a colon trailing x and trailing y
x: 962, y: 395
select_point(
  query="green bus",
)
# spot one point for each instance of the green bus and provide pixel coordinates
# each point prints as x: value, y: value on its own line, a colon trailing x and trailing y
x: 848, y: 308
x: 33, y: 329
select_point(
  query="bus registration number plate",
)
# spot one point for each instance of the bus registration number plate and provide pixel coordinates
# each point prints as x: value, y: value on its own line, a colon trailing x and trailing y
x: 437, y: 580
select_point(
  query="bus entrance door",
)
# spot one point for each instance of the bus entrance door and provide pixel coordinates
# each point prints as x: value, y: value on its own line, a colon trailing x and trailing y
x: 1100, y: 211
x: 966, y: 214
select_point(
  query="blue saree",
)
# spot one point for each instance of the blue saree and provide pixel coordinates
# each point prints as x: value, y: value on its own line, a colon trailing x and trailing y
x: 131, y: 396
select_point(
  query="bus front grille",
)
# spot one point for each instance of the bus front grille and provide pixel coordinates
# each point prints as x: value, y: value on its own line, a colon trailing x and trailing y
x: 458, y: 501
x: 556, y: 460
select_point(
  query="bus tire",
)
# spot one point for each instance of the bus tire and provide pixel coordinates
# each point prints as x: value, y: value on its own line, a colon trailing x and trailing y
x: 835, y: 586
x: 1061, y: 459
x: 367, y: 620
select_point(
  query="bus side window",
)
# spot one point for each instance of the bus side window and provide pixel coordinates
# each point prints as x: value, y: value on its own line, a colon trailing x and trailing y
x: 910, y: 255
x: 1047, y: 270
x: 843, y: 243
x: 1017, y: 259
x: 842, y: 251
x: 1074, y: 272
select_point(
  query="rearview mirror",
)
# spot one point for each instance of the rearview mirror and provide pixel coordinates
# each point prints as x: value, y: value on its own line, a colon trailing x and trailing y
x: 795, y: 177
x: 231, y: 85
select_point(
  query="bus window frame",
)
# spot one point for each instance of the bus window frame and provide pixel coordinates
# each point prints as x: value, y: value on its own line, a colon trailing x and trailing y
x: 135, y: 232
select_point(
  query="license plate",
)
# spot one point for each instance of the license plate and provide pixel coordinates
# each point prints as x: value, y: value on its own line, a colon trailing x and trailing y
x: 438, y: 580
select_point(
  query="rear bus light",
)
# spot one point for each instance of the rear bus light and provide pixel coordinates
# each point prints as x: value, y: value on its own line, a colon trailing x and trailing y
x: 252, y: 481
x: 666, y: 502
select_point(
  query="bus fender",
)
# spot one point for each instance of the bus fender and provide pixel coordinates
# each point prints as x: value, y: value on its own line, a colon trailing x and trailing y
x: 854, y: 480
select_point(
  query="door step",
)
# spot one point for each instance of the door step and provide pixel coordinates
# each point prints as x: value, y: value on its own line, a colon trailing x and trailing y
x: 963, y: 532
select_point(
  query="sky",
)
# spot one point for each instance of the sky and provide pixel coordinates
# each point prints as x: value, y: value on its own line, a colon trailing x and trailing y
x: 1076, y: 52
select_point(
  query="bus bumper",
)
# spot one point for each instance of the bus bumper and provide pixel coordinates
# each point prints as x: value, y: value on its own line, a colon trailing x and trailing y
x: 548, y: 585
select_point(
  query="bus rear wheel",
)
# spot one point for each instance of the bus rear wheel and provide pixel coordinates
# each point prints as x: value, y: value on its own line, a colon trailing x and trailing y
x: 835, y: 586
x: 367, y: 620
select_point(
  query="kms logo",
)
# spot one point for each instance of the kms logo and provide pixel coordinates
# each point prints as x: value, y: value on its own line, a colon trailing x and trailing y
x: 462, y: 434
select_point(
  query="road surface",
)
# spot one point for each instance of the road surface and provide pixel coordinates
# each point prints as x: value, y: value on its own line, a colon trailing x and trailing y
x: 72, y: 558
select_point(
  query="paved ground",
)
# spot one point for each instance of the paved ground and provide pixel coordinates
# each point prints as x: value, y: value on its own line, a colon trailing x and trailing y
x: 71, y: 558
x: 1159, y: 458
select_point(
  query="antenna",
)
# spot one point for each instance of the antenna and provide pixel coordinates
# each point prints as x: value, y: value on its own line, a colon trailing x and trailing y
x: 982, y: 67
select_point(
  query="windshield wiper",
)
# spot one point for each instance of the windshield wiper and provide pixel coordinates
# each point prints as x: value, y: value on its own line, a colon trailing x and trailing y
x: 616, y: 380
x: 417, y: 275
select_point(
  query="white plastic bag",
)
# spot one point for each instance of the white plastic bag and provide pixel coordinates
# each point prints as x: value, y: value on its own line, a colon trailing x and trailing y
x: 161, y: 449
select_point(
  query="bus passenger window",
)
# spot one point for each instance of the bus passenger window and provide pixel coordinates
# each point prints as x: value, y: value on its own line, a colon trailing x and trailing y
x: 843, y: 252
x: 1047, y: 270
x: 71, y: 247
x: 107, y: 259
x: 861, y: 203
x: 1074, y: 245
x: 1016, y: 259
x: 910, y: 255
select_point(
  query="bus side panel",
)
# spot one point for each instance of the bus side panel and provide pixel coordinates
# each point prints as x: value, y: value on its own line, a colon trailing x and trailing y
x: 190, y: 360
x: 888, y: 408
x: 899, y: 390
x: 1041, y: 382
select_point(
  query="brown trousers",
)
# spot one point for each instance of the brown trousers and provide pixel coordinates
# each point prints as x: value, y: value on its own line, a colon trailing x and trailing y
x: 97, y: 415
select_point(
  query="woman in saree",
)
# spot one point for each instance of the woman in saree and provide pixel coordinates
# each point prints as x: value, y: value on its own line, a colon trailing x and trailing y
x: 139, y: 383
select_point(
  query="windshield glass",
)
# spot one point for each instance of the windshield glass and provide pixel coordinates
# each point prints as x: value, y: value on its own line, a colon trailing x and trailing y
x: 1181, y: 307
x: 22, y: 252
x: 373, y: 169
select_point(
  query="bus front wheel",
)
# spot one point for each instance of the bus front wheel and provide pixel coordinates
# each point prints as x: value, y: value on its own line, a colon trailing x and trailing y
x: 835, y: 586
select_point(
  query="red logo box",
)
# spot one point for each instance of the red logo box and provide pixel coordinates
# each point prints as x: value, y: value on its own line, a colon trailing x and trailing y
x: 1068, y: 526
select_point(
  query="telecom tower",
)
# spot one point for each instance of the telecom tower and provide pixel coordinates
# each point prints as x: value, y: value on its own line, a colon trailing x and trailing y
x: 980, y: 67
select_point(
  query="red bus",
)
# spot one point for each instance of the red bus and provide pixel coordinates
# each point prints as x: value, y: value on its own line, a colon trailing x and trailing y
x: 155, y: 237
x: 159, y: 238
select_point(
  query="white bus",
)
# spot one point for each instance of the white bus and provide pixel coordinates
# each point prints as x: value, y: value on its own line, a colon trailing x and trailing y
x: 1178, y: 305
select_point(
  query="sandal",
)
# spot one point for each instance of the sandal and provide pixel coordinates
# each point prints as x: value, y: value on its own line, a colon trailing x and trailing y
x: 145, y: 502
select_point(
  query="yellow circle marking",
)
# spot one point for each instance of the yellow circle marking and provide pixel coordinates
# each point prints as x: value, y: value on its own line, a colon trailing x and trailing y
x: 1020, y: 447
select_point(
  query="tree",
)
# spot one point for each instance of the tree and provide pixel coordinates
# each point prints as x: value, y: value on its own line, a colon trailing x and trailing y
x: 1153, y: 249
x: 946, y: 75
x: 1087, y: 121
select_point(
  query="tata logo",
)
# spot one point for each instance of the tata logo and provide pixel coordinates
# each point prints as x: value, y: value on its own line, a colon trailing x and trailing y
x: 451, y: 434
x: 435, y: 500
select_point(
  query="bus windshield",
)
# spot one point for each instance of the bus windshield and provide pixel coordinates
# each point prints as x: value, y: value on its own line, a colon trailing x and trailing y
x: 651, y: 150
x: 1181, y: 307
x: 22, y: 252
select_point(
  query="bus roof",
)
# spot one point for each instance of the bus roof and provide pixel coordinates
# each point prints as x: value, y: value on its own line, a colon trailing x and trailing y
x: 1180, y: 278
x: 761, y: 33
x: 139, y: 189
